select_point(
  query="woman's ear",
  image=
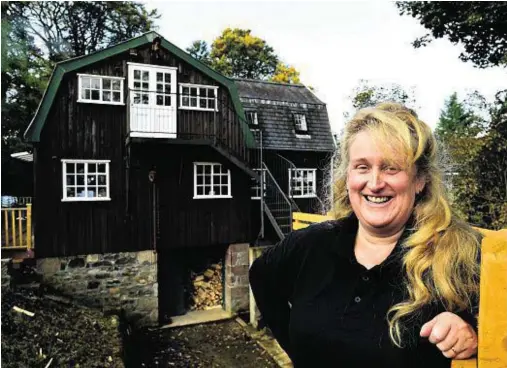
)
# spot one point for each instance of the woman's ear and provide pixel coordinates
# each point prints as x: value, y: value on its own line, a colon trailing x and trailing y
x: 420, y: 183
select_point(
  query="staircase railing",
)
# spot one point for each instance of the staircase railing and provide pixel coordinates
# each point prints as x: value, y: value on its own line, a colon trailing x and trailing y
x: 277, y: 206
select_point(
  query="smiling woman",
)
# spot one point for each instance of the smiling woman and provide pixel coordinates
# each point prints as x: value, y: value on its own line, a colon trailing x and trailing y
x: 393, y: 281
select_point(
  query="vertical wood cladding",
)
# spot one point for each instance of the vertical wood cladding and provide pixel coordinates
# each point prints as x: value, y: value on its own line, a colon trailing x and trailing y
x: 182, y: 220
x: 98, y: 131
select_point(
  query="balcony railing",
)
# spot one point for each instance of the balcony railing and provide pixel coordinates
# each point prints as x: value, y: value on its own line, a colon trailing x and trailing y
x: 152, y: 114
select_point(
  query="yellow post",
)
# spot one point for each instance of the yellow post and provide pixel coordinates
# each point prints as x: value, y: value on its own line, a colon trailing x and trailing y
x: 20, y: 227
x: 13, y: 221
x: 29, y: 226
x: 6, y: 227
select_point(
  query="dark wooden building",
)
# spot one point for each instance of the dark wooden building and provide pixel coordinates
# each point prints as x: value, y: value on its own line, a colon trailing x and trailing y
x: 140, y: 146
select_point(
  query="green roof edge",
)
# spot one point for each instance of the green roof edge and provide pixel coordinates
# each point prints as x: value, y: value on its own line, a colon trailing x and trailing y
x: 32, y: 133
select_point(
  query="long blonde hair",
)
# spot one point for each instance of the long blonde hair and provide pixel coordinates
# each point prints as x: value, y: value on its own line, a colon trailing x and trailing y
x: 441, y: 255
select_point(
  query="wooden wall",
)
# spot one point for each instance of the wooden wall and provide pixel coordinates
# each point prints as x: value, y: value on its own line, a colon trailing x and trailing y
x: 184, y: 221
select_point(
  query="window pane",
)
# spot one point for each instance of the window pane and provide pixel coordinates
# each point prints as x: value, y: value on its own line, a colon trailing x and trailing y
x: 167, y: 77
x: 80, y: 179
x: 137, y: 74
x: 95, y: 94
x: 102, y: 192
x: 207, y: 179
x: 137, y: 85
x: 101, y: 168
x: 71, y: 180
x: 202, y: 103
x: 207, y: 169
x: 81, y: 192
x: 71, y: 168
x: 91, y: 180
x: 92, y: 192
x: 186, y: 91
x: 116, y: 84
x: 160, y: 100
x: 116, y: 97
x: 92, y: 168
x: 168, y: 100
x: 144, y: 99
x: 193, y: 101
x: 87, y: 94
x: 217, y: 169
x: 225, y: 179
x: 145, y: 86
x: 185, y: 101
x: 95, y: 83
x: 200, y: 190
x: 106, y: 83
x: 101, y: 179
x: 225, y: 190
x: 211, y: 104
x: 85, y: 82
x: 160, y: 77
x: 160, y: 87
x: 193, y: 91
x: 199, y: 180
x: 71, y: 192
x: 106, y: 96
x: 146, y: 76
x: 80, y: 168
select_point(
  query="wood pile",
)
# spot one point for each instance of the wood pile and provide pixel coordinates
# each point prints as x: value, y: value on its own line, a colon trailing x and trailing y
x: 207, y: 288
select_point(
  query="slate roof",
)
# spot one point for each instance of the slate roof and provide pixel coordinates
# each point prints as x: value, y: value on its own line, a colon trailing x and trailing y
x: 275, y: 104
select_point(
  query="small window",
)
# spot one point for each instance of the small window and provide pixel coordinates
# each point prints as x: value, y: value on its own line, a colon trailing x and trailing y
x: 211, y: 180
x: 303, y: 183
x: 300, y: 123
x: 100, y: 90
x: 198, y: 97
x: 85, y: 180
x: 256, y: 186
x: 251, y: 118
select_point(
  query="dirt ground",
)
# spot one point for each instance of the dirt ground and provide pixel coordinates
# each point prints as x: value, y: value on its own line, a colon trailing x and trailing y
x: 57, y: 335
x: 223, y: 344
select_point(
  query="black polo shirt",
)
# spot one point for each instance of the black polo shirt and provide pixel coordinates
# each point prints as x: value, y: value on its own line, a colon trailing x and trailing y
x: 326, y: 309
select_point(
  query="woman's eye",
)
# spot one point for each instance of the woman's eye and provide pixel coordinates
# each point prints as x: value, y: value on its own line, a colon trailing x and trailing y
x: 392, y: 169
x: 361, y: 167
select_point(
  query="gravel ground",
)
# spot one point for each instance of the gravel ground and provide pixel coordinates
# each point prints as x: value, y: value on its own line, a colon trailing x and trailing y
x: 60, y: 333
x: 223, y: 344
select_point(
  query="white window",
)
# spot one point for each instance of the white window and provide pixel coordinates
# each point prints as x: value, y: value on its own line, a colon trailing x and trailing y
x: 303, y: 183
x: 300, y: 123
x: 85, y: 180
x: 198, y: 97
x: 256, y: 186
x: 211, y: 180
x: 251, y: 118
x: 99, y: 89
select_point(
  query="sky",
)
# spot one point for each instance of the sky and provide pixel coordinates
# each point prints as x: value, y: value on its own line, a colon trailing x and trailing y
x: 336, y: 44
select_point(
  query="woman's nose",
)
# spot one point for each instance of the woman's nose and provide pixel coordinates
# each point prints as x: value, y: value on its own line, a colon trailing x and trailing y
x: 376, y: 181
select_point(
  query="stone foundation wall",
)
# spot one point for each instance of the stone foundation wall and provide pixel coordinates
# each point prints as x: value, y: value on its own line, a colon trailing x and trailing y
x: 236, y: 278
x: 114, y: 282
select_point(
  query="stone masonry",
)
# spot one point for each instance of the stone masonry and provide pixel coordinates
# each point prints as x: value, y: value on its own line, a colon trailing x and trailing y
x: 114, y: 282
x: 236, y: 278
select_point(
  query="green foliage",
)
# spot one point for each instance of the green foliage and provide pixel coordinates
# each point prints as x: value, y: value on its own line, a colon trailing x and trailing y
x: 73, y: 28
x: 285, y: 74
x: 479, y: 151
x: 366, y: 94
x: 237, y: 53
x: 480, y: 26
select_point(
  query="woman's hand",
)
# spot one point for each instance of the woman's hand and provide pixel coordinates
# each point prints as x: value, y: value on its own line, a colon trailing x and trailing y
x: 454, y: 337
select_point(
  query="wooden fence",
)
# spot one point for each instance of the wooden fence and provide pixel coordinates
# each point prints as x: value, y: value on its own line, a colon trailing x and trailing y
x: 17, y: 228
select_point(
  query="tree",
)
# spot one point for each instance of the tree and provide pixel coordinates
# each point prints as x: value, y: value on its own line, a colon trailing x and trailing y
x: 237, y: 53
x: 366, y: 94
x: 200, y: 50
x: 74, y: 28
x: 456, y: 120
x: 285, y: 74
x: 480, y: 26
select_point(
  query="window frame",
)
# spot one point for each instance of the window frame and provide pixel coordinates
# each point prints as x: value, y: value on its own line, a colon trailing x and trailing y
x: 256, y: 187
x: 300, y: 118
x: 212, y: 175
x: 198, y: 97
x: 86, y: 163
x: 314, y: 186
x: 255, y: 121
x: 101, y: 90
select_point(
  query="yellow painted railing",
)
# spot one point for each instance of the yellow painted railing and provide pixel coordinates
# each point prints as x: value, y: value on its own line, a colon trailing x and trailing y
x: 17, y: 228
x: 493, y: 301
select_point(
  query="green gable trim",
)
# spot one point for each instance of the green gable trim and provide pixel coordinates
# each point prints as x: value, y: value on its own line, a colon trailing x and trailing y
x: 34, y: 130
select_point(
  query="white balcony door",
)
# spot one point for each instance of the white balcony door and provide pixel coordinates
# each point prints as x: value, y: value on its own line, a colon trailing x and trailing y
x: 152, y: 101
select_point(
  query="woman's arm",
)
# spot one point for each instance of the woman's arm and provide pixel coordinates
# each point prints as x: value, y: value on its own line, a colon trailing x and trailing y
x: 272, y: 277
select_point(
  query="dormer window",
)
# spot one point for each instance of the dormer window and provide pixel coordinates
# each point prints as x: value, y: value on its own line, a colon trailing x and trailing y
x: 251, y: 118
x: 300, y: 123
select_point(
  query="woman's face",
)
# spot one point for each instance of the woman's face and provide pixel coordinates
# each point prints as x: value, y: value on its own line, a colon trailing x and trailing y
x: 382, y: 195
